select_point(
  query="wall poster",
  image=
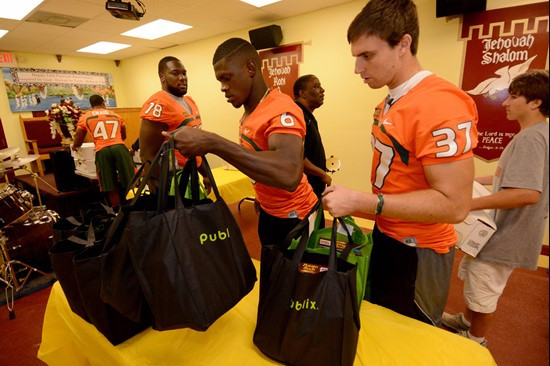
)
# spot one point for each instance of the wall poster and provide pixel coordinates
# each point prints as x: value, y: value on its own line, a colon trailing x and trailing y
x: 280, y: 67
x: 501, y: 44
x: 37, y: 89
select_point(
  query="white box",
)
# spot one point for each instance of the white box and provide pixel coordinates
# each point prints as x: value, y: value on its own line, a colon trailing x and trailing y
x: 86, y: 166
x: 85, y: 152
x: 477, y: 228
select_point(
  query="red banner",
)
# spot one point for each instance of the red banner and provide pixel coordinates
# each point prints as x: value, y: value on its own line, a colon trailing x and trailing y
x: 501, y: 44
x: 280, y: 67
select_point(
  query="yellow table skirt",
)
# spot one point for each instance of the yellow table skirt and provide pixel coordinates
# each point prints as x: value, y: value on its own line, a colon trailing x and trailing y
x: 232, y: 185
x: 385, y: 338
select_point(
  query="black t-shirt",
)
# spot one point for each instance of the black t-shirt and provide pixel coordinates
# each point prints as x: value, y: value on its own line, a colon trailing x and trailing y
x: 314, y: 150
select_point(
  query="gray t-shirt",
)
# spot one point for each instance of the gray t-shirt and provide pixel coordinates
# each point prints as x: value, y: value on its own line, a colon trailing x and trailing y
x: 520, y: 231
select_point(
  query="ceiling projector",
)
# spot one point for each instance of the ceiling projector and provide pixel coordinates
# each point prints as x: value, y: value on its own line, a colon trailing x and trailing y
x: 122, y: 10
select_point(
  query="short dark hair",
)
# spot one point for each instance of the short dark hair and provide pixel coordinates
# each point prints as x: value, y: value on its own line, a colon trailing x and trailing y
x: 300, y: 84
x: 532, y: 85
x: 236, y: 47
x: 164, y: 61
x: 388, y: 19
x: 96, y: 100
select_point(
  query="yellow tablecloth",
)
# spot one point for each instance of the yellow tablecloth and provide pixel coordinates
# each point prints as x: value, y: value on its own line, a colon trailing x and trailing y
x: 232, y: 185
x: 385, y: 338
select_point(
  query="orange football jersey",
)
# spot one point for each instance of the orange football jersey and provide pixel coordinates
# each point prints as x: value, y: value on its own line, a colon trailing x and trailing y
x: 104, y: 126
x: 434, y: 123
x: 162, y: 108
x: 277, y: 113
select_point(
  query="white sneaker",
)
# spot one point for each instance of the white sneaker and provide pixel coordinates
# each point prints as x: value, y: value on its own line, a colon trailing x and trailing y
x: 467, y: 334
x: 456, y: 322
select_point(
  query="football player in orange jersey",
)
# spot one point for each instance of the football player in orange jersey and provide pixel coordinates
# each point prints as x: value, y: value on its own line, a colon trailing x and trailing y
x: 167, y: 110
x: 271, y: 133
x: 422, y: 170
x: 112, y: 158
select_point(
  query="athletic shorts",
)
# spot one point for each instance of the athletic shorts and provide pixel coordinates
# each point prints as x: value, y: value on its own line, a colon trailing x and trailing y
x: 484, y: 282
x: 113, y: 163
x: 408, y: 280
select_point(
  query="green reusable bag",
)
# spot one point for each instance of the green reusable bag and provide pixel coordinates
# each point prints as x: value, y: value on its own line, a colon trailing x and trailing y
x: 319, y: 242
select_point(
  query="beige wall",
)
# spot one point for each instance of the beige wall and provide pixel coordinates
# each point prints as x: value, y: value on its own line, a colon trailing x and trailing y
x: 344, y: 118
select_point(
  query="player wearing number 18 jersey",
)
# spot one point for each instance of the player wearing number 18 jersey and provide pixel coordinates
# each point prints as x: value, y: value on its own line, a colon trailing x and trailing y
x: 112, y: 158
x: 168, y: 109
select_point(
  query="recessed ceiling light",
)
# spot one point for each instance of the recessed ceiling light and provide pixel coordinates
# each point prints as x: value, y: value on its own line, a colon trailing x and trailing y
x: 156, y: 29
x: 17, y: 9
x: 3, y: 32
x: 104, y: 47
x: 260, y: 3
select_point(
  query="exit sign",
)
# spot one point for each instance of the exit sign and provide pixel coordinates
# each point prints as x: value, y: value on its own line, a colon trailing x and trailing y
x: 8, y: 59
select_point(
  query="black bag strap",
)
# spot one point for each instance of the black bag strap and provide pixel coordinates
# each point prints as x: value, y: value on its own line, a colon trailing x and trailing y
x: 121, y: 214
x: 302, y: 230
x: 190, y: 174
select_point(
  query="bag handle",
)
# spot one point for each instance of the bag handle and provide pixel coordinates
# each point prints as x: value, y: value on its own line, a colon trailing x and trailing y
x: 121, y: 214
x: 190, y: 173
x: 301, y: 248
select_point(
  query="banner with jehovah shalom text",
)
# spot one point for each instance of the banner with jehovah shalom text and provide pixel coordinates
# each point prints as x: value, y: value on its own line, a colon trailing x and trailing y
x: 501, y: 44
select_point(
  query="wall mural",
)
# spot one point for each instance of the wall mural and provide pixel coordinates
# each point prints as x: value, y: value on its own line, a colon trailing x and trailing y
x: 37, y: 89
x: 280, y: 67
x: 501, y: 44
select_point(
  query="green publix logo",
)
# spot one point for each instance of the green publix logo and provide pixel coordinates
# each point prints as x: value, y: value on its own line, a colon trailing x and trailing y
x: 306, y: 304
x: 220, y: 235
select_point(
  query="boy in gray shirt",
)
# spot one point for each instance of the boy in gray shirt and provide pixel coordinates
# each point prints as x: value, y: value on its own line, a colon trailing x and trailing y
x: 520, y: 203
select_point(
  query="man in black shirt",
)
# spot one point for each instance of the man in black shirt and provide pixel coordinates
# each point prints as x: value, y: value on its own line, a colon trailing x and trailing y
x: 309, y: 95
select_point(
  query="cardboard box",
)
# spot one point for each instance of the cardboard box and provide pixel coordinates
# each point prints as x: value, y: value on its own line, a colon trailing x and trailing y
x: 85, y: 152
x: 85, y: 166
x: 477, y: 228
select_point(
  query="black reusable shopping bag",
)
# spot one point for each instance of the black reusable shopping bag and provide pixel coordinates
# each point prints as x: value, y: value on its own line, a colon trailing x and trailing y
x: 71, y: 238
x: 112, y: 324
x: 191, y: 262
x: 308, y: 312
x: 119, y: 284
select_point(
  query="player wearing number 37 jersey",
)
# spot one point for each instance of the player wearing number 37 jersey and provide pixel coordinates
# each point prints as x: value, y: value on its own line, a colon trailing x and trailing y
x: 422, y: 168
x: 433, y: 123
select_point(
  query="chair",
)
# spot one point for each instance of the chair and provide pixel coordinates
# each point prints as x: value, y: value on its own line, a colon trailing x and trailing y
x: 38, y: 140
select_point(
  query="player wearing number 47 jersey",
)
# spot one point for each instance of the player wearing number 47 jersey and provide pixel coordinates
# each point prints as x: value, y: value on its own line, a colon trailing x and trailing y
x: 422, y: 164
x: 112, y: 158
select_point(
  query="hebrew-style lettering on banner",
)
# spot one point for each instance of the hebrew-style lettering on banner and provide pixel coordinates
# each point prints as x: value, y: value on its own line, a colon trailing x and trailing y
x: 37, y: 89
x: 501, y: 44
x: 280, y: 67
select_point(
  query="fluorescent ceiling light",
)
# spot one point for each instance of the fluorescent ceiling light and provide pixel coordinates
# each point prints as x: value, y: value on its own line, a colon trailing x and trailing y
x: 3, y: 32
x: 260, y: 3
x: 156, y: 29
x: 17, y: 9
x: 104, y: 47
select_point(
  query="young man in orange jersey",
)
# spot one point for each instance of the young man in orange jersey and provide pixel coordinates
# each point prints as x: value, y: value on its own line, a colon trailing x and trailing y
x: 422, y: 169
x: 112, y: 158
x: 167, y: 110
x: 270, y: 149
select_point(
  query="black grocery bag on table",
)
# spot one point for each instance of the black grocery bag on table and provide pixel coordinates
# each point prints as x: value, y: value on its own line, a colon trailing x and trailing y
x: 112, y: 324
x: 71, y: 238
x: 307, y: 312
x: 191, y: 262
x: 120, y: 287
